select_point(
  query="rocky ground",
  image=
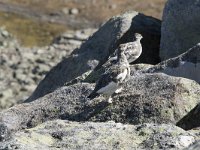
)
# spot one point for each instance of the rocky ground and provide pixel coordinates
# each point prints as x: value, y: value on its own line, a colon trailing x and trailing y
x: 23, y: 68
x: 90, y: 135
x: 157, y: 109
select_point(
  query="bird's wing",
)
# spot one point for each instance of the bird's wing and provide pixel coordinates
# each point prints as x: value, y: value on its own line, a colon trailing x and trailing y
x: 103, y: 81
x: 118, y: 73
x: 133, y: 51
x: 111, y: 60
x: 133, y: 48
x: 115, y: 74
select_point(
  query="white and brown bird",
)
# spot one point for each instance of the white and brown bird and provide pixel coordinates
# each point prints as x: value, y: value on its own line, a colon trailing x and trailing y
x: 111, y: 81
x: 133, y: 50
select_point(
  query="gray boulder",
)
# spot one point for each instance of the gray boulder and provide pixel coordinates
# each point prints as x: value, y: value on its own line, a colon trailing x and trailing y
x: 147, y: 98
x: 186, y: 65
x: 180, y: 27
x: 59, y: 134
x: 96, y: 50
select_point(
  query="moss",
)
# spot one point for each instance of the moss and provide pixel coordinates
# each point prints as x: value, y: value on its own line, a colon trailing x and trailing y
x: 29, y: 32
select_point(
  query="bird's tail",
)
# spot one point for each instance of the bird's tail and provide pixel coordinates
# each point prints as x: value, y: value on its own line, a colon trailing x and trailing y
x: 93, y: 95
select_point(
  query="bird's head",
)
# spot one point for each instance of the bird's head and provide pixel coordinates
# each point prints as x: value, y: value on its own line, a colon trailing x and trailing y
x: 138, y: 36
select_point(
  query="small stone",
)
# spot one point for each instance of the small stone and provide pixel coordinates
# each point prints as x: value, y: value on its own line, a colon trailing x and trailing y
x: 81, y: 36
x: 65, y: 10
x: 7, y: 93
x: 112, y: 6
x: 74, y: 42
x: 4, y: 33
x: 74, y: 11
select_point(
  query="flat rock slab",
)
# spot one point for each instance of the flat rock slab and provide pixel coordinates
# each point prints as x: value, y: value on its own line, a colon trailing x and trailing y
x: 59, y: 134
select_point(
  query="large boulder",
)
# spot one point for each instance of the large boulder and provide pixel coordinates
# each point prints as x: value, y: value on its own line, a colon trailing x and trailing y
x: 186, y: 65
x: 180, y: 27
x: 147, y: 98
x: 59, y: 134
x: 100, y: 46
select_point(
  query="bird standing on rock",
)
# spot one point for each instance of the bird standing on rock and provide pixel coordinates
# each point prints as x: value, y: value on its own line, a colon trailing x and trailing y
x: 111, y: 81
x: 134, y: 49
x: 132, y: 52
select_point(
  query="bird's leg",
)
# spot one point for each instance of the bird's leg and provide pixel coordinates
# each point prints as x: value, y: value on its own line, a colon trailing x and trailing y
x: 119, y: 90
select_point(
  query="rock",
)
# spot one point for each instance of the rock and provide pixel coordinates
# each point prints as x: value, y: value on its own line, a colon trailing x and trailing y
x: 195, y: 146
x: 179, y: 27
x: 112, y: 6
x: 66, y: 10
x: 73, y: 11
x: 5, y: 33
x: 147, y: 98
x: 21, y: 69
x: 4, y: 133
x: 100, y: 46
x: 78, y: 36
x: 7, y: 40
x: 152, y: 97
x: 59, y: 134
x: 191, y: 120
x: 186, y: 65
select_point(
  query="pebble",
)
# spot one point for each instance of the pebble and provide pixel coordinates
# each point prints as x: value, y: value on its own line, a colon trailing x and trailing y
x: 74, y: 11
x: 65, y: 10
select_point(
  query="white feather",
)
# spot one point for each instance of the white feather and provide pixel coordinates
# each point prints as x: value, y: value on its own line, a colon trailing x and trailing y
x: 108, y: 89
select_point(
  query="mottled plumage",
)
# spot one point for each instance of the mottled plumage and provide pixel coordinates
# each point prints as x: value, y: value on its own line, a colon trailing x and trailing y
x: 134, y: 49
x: 132, y: 52
x: 114, y: 76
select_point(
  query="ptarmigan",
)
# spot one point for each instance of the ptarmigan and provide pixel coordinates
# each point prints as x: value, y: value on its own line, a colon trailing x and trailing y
x: 110, y: 82
x: 133, y: 50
